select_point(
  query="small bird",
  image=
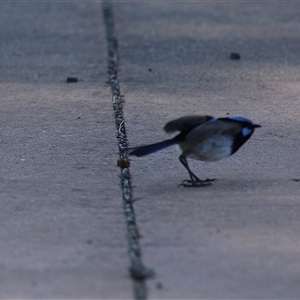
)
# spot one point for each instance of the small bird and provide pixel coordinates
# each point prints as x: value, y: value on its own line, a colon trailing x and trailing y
x: 202, y: 138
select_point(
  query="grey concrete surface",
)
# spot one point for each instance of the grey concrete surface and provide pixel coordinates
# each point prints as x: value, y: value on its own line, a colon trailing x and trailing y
x: 62, y: 224
x: 240, y: 238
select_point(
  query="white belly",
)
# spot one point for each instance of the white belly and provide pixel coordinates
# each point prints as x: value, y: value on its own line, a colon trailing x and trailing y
x: 212, y: 149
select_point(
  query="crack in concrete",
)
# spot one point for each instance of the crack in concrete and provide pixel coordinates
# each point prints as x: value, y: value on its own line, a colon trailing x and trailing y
x: 138, y: 272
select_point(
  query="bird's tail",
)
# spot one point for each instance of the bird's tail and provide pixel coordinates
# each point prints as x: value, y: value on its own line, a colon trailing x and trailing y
x: 148, y: 149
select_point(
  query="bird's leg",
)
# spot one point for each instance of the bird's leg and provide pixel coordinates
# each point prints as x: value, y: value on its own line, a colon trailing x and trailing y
x: 194, y: 181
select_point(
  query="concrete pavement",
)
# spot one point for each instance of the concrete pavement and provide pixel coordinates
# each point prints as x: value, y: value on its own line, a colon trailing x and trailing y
x: 62, y: 225
x: 238, y: 239
x: 63, y: 229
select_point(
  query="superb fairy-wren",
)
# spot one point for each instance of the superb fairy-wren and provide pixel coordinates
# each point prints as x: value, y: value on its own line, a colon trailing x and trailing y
x: 203, y: 138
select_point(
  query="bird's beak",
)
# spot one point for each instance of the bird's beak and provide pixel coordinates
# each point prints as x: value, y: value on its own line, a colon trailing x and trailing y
x: 256, y: 126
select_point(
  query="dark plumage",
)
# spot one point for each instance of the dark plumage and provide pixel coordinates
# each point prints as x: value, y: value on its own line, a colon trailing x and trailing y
x: 203, y: 138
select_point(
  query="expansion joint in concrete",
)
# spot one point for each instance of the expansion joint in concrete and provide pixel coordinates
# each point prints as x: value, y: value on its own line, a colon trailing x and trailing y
x: 138, y: 272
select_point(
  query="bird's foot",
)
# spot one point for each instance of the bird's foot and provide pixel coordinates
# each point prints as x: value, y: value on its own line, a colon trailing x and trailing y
x: 197, y: 183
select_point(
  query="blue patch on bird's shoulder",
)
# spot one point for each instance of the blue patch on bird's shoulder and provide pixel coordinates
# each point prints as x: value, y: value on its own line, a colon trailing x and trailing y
x: 246, y: 131
x: 241, y: 119
x: 213, y: 120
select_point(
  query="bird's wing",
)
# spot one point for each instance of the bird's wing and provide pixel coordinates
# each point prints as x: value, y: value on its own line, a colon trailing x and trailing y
x: 186, y: 123
x: 214, y: 127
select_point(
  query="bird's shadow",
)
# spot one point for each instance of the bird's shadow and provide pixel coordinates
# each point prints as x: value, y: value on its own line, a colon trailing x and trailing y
x: 223, y: 185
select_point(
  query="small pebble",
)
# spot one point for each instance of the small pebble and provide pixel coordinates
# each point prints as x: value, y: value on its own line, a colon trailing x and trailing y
x: 235, y: 56
x: 123, y: 163
x: 159, y: 286
x: 72, y: 79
